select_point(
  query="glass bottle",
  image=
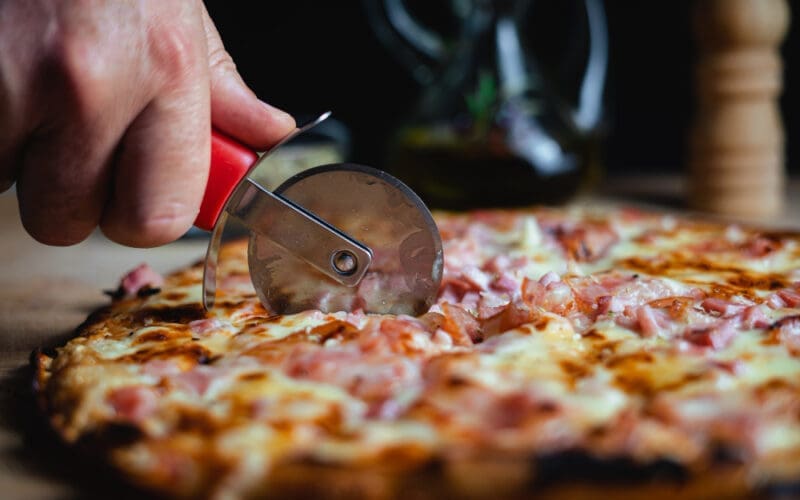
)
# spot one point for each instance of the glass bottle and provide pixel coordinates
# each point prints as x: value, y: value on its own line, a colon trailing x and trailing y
x: 490, y: 129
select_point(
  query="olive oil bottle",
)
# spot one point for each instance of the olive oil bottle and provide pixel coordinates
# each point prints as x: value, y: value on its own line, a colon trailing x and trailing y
x: 491, y: 128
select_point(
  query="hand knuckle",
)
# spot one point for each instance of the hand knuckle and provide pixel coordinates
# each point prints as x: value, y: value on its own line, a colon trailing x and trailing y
x: 173, y: 49
x: 78, y: 73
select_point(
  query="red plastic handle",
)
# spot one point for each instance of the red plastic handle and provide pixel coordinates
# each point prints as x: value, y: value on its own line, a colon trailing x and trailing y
x: 229, y: 163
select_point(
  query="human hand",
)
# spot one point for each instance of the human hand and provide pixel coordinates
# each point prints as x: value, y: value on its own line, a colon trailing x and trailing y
x: 105, y: 115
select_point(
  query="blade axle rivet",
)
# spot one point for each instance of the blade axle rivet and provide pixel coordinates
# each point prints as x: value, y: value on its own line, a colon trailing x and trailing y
x: 344, y: 262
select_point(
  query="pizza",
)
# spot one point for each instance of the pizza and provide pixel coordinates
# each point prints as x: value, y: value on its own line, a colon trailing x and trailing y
x: 571, y: 352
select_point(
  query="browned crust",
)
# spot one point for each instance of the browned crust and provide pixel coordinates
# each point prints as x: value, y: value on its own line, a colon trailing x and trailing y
x: 505, y: 478
x: 39, y: 360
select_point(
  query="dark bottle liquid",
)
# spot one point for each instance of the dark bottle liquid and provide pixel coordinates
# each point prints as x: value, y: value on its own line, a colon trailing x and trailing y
x: 455, y: 171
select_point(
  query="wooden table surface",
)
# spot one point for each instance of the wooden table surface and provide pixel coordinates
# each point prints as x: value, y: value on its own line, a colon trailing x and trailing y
x: 46, y: 292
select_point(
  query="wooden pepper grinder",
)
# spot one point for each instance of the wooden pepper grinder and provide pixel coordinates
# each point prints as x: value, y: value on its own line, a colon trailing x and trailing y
x: 736, y: 148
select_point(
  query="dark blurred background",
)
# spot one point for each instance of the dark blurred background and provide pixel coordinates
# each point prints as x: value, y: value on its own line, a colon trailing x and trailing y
x: 307, y: 56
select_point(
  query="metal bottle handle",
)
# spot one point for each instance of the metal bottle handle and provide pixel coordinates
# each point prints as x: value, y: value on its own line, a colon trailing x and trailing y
x: 419, y: 48
x: 590, y: 101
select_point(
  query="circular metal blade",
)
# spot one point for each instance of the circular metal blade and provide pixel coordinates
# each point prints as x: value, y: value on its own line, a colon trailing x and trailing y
x: 374, y: 208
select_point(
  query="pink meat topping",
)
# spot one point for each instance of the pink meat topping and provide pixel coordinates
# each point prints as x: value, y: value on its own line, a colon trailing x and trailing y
x: 483, y: 294
x: 204, y: 327
x: 138, y: 278
x: 716, y: 336
x: 197, y: 380
x: 133, y: 403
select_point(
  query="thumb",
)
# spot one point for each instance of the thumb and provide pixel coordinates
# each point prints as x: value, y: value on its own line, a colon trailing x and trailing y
x: 235, y: 109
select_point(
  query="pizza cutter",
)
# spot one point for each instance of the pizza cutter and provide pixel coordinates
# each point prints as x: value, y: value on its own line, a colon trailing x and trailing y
x: 333, y: 237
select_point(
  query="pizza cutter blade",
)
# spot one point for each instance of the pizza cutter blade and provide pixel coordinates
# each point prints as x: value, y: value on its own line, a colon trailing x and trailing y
x: 334, y: 237
x: 379, y: 212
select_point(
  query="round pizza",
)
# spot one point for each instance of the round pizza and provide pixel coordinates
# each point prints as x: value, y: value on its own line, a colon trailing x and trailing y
x: 570, y: 353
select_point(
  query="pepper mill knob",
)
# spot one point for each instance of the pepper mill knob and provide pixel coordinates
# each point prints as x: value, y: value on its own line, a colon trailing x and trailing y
x: 736, y: 145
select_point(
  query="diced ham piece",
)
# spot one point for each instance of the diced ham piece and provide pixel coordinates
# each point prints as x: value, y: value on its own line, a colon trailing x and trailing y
x: 789, y: 333
x: 586, y: 243
x: 461, y: 325
x: 402, y: 334
x: 775, y: 301
x: 140, y: 277
x: 557, y: 298
x: 790, y: 297
x: 588, y: 293
x: 609, y: 304
x: 721, y: 306
x: 506, y: 282
x: 614, y: 280
x: 754, y: 317
x: 197, y: 380
x: 491, y: 304
x: 784, y: 298
x: 716, y: 336
x: 133, y: 403
x: 470, y: 301
x: 549, y: 277
x: 646, y: 318
x: 498, y: 264
x: 510, y: 317
x: 789, y: 325
x: 532, y: 291
x: 549, y: 293
x: 616, y: 292
x: 457, y: 283
x: 761, y: 246
x: 475, y: 277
